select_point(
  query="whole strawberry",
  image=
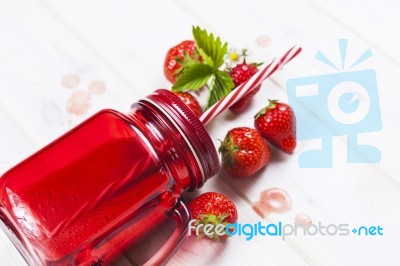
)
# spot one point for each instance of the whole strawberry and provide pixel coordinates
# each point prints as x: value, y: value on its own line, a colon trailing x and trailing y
x: 212, y: 208
x: 244, y: 152
x: 239, y: 74
x: 175, y: 57
x: 191, y: 102
x: 277, y: 123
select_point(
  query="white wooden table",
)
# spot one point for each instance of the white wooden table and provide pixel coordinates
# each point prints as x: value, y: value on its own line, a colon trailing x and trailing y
x: 116, y: 48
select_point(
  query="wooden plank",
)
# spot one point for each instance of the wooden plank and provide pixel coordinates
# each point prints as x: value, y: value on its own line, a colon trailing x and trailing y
x: 32, y: 74
x: 100, y: 41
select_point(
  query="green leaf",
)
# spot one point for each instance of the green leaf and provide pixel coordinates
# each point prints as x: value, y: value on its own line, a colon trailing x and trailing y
x: 193, y: 77
x: 188, y: 60
x: 206, y: 59
x: 222, y: 85
x: 185, y: 62
x: 210, y: 46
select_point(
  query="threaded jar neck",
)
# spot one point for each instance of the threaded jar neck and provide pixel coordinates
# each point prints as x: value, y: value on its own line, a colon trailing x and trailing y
x: 191, y: 129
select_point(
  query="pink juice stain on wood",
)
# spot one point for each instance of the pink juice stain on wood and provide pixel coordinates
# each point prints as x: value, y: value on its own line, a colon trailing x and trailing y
x: 97, y: 87
x: 70, y: 81
x: 263, y: 40
x: 303, y: 219
x: 273, y: 200
x: 79, y: 102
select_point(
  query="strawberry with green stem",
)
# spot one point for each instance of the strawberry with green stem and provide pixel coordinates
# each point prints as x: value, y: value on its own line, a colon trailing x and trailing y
x: 244, y: 152
x: 212, y: 208
x: 178, y: 58
x: 198, y: 65
x: 206, y: 73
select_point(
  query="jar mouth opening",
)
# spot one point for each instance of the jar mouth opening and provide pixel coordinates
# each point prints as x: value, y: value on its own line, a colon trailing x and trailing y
x: 191, y: 129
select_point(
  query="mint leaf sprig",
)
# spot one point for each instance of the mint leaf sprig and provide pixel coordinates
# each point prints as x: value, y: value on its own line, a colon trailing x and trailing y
x: 195, y: 75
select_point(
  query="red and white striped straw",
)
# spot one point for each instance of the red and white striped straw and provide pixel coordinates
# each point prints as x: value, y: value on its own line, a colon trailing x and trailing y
x: 249, y: 85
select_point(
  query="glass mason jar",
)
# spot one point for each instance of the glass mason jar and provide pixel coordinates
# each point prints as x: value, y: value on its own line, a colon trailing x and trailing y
x: 92, y: 194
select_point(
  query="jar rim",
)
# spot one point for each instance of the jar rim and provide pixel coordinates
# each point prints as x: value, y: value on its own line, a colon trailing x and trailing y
x: 192, y: 130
